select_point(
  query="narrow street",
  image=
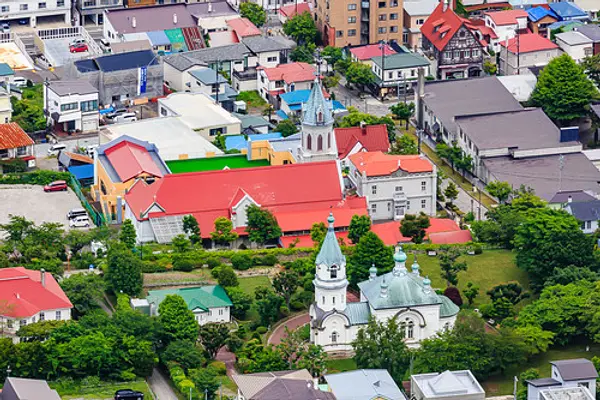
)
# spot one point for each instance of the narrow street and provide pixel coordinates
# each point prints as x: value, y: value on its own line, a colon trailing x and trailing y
x: 160, y: 386
x: 369, y: 105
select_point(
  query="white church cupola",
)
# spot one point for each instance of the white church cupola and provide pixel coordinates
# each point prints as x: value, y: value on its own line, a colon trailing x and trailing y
x: 330, y: 278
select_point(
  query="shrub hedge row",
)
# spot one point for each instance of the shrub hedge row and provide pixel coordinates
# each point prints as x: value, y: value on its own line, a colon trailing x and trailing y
x: 41, y: 177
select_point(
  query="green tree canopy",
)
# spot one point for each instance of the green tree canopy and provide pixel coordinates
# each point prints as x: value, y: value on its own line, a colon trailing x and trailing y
x: 285, y: 284
x: 332, y: 54
x: 177, y: 321
x: 369, y: 251
x: 241, y: 301
x: 414, y: 226
x: 500, y: 190
x: 301, y: 28
x: 304, y: 53
x: 254, y: 12
x: 287, y: 127
x: 224, y: 233
x: 127, y: 235
x: 262, y: 227
x: 356, y: 118
x: 190, y: 224
x: 359, y: 225
x: 450, y: 266
x: 84, y: 291
x: 267, y: 304
x: 360, y: 74
x: 123, y: 271
x: 318, y: 232
x: 403, y: 111
x: 405, y: 145
x: 213, y: 336
x: 183, y: 352
x: 451, y: 192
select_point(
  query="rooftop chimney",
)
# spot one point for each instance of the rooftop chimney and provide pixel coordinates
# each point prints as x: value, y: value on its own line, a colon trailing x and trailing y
x: 210, y: 7
x: 17, y: 295
x: 133, y: 22
x: 174, y: 18
x: 43, y: 277
x: 445, y: 8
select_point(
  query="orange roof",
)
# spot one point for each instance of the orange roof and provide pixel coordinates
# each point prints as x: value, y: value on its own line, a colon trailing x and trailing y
x: 529, y: 42
x: 376, y: 163
x: 290, y: 73
x: 293, y: 9
x: 12, y: 136
x: 506, y: 17
x: 305, y: 241
x: 79, y: 157
x: 441, y: 21
x: 294, y: 221
x: 243, y: 27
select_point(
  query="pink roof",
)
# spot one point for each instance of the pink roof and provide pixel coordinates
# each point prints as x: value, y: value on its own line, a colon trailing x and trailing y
x: 243, y: 27
x: 529, y: 42
x: 23, y: 291
x: 377, y: 163
x: 371, y: 137
x: 290, y: 73
x: 451, y: 237
x: 506, y: 17
x: 130, y: 160
x: 293, y: 9
x: 370, y: 50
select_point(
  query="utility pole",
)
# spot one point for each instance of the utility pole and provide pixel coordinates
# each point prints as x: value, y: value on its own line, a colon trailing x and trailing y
x: 561, y: 166
x: 382, y: 47
x: 217, y: 76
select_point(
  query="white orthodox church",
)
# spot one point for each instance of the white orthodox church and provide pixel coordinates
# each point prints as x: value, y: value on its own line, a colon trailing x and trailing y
x: 400, y: 294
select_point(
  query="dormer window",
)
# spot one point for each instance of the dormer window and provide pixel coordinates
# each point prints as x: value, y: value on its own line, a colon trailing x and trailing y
x: 333, y: 272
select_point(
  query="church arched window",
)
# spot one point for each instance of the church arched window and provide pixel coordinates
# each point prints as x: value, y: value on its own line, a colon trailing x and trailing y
x: 333, y: 271
x: 309, y: 142
x: 319, y: 116
x: 328, y: 141
x: 334, y: 337
x: 447, y: 326
x: 320, y: 143
x: 410, y: 330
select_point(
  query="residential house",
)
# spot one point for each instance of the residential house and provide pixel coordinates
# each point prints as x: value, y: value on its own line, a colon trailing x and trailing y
x: 562, y: 199
x: 524, y: 51
x: 291, y: 10
x: 353, y: 140
x: 120, y: 78
x: 66, y: 160
x: 575, y: 44
x: 268, y: 51
x: 92, y: 11
x: 587, y: 212
x: 476, y: 8
x: 210, y: 304
x: 592, y: 32
x: 591, y: 7
x: 5, y: 105
x: 31, y: 10
x: 30, y: 296
x: 212, y: 16
x: 280, y: 385
x: 454, y: 50
x: 26, y: 389
x: 272, y: 82
x: 506, y: 24
x: 243, y: 28
x: 7, y: 74
x: 520, y: 86
x: 292, y: 103
x: 568, y: 11
x: 416, y: 13
x: 118, y: 165
x: 527, y: 4
x: 210, y: 83
x: 212, y: 121
x: 16, y: 144
x: 448, y: 385
x: 364, y: 384
x: 72, y: 106
x: 580, y: 393
x: 317, y: 187
x: 364, y: 54
x: 566, y: 374
x: 539, y: 20
x: 394, y: 185
x: 395, y: 74
x: 253, y: 124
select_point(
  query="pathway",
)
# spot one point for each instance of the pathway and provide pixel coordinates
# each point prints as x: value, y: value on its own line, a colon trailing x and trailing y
x: 160, y: 386
x: 292, y: 324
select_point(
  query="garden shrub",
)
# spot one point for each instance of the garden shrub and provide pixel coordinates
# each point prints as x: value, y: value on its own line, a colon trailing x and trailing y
x: 261, y: 330
x: 213, y: 262
x: 283, y: 310
x: 297, y: 305
x: 270, y: 260
x: 219, y: 367
x: 241, y: 262
x: 149, y: 267
x: 477, y: 249
x: 41, y: 177
x: 183, y: 264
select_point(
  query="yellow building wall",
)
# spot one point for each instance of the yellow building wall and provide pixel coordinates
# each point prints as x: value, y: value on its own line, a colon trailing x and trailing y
x: 262, y: 150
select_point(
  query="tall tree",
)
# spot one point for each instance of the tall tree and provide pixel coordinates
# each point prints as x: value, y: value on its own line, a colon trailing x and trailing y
x: 563, y: 90
x: 471, y: 292
x: 127, y: 234
x: 287, y: 127
x: 512, y: 291
x: 304, y: 53
x: 591, y: 66
x: 405, y: 145
x: 414, y: 226
x: 77, y: 240
x: 451, y: 192
x: 190, y: 224
x: 500, y: 190
x: 285, y: 284
x: 254, y: 12
x: 451, y: 267
x: 84, y: 291
x: 369, y: 251
x: 360, y: 74
x: 332, y: 54
x: 205, y: 380
x: 318, y: 232
x: 241, y: 301
x: 380, y: 345
x: 359, y: 225
x: 124, y: 271
x: 301, y: 28
x: 213, y: 336
x: 262, y: 227
x: 184, y: 353
x: 177, y: 321
x: 224, y: 233
x: 356, y: 118
x: 403, y: 111
x: 267, y: 304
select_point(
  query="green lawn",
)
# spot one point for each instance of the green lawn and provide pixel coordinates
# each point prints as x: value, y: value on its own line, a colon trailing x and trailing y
x: 340, y: 365
x: 214, y: 163
x: 252, y: 98
x: 105, y: 391
x: 250, y: 283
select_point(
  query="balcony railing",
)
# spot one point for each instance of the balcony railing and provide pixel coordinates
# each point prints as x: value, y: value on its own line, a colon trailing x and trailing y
x: 247, y: 74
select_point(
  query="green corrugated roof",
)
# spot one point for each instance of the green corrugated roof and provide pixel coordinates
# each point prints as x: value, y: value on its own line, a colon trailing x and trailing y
x: 177, y: 40
x: 448, y: 308
x: 401, y: 60
x: 358, y: 313
x: 203, y: 297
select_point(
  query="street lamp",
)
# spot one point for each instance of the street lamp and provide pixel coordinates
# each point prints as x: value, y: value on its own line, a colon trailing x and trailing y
x: 382, y: 47
x: 419, y: 133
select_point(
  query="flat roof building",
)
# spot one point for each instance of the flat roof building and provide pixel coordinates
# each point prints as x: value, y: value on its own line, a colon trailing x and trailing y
x: 447, y: 385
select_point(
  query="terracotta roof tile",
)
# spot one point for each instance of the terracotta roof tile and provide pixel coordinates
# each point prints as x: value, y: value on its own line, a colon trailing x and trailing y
x: 292, y: 72
x: 371, y: 137
x: 12, y: 136
x: 293, y: 9
x: 380, y: 164
x: 506, y: 17
x: 130, y: 159
x: 441, y: 21
x: 243, y: 27
x: 528, y: 43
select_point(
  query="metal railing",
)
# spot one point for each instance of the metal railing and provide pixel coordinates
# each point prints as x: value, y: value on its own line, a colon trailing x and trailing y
x: 97, y: 217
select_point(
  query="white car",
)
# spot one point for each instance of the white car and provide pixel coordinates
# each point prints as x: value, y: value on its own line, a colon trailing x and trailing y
x: 80, y: 222
x: 19, y: 81
x: 55, y: 149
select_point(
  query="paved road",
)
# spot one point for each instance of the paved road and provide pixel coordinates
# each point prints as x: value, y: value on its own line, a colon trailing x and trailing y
x: 368, y: 105
x: 292, y: 324
x: 41, y: 149
x: 465, y: 202
x: 160, y: 386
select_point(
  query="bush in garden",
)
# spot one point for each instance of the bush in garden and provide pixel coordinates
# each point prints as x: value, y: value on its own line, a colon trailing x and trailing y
x: 454, y: 294
x: 261, y: 330
x: 183, y: 264
x: 241, y: 262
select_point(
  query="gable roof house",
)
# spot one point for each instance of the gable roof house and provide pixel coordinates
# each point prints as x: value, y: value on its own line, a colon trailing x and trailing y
x: 27, y: 389
x: 540, y: 18
x: 272, y: 82
x: 575, y: 44
x: 291, y: 10
x: 280, y: 385
x: 455, y: 51
x: 361, y: 138
x: 397, y: 71
x: 569, y: 11
x: 364, y: 384
x: 587, y: 212
x: 505, y: 24
x: 592, y: 32
x: 566, y: 376
x: 524, y: 51
x: 16, y: 144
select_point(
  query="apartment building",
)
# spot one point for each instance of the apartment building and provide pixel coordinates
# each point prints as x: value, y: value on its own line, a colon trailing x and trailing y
x: 355, y: 22
x: 92, y: 11
x: 34, y: 10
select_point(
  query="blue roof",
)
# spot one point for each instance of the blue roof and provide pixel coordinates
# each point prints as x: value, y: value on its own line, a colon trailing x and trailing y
x: 567, y: 10
x: 281, y: 114
x: 537, y: 13
x: 208, y: 76
x: 5, y: 69
x: 239, y: 142
x: 296, y: 107
x: 337, y: 105
x: 296, y: 97
x: 158, y: 38
x: 82, y: 171
x: 118, y: 62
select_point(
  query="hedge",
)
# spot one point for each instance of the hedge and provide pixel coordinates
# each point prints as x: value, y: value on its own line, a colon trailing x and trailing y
x: 41, y: 177
x: 182, y: 382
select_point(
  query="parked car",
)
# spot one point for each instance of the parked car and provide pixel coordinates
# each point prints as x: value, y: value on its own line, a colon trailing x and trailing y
x: 56, y: 186
x: 55, y: 149
x: 5, y: 27
x: 128, y: 394
x: 83, y: 221
x: 76, y: 212
x: 19, y: 81
x: 116, y: 112
x: 77, y: 41
x: 105, y: 46
x: 78, y: 48
x: 23, y: 21
x: 126, y: 117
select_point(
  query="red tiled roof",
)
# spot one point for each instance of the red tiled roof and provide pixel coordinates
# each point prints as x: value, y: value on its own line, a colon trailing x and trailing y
x: 293, y: 9
x: 371, y: 137
x: 506, y: 17
x: 130, y: 160
x: 22, y: 290
x: 294, y: 221
x: 451, y: 237
x: 441, y: 21
x: 305, y: 241
x: 528, y: 43
x: 290, y: 73
x: 12, y: 136
x: 485, y: 30
x: 370, y: 50
x: 243, y: 27
x: 376, y: 163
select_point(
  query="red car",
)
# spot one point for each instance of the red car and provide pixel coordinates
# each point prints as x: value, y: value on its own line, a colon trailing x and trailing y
x: 78, y: 48
x: 56, y: 186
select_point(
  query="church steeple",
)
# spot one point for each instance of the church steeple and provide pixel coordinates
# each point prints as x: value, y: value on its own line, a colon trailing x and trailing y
x: 330, y: 253
x: 316, y: 109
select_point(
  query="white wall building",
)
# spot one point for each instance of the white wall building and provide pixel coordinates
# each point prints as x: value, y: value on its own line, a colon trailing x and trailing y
x: 399, y: 294
x: 448, y: 385
x: 587, y: 212
x: 505, y: 25
x: 566, y: 374
x: 284, y: 78
x: 524, y: 51
x: 34, y: 10
x: 74, y: 104
x: 575, y: 44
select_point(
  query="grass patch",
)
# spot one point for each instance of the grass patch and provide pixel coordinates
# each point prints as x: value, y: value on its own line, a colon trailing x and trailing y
x: 249, y: 284
x: 252, y: 98
x: 228, y: 383
x: 340, y: 365
x: 196, y: 275
x: 106, y: 390
x: 214, y: 164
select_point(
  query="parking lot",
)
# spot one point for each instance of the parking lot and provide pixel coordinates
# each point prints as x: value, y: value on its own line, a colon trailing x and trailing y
x: 31, y: 202
x: 58, y: 53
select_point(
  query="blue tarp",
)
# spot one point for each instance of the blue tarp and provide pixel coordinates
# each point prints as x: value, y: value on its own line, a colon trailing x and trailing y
x: 568, y: 10
x: 103, y: 111
x: 239, y: 141
x: 158, y: 38
x: 82, y: 171
x: 537, y: 13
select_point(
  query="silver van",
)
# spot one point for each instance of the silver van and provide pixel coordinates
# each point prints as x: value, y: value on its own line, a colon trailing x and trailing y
x: 76, y: 212
x: 56, y: 148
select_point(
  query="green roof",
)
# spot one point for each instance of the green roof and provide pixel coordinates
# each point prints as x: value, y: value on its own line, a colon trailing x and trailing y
x: 448, y: 307
x: 251, y: 120
x: 5, y: 69
x: 214, y: 163
x: 330, y: 253
x: 200, y: 297
x: 358, y: 313
x: 401, y: 60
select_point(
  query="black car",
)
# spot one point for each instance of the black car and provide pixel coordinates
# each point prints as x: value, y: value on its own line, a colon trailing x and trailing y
x: 128, y: 394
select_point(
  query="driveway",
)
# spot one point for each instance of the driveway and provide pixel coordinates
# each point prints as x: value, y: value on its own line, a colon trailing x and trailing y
x: 160, y: 386
x: 292, y: 324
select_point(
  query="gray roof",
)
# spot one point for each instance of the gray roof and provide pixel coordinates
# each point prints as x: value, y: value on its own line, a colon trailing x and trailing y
x: 63, y: 88
x: 30, y: 389
x: 358, y: 313
x: 401, y: 60
x: 524, y: 129
x: 254, y: 121
x: 183, y: 61
x: 542, y: 173
x: 573, y: 38
x: 448, y: 99
x: 544, y: 382
x: 218, y: 9
x: 207, y: 76
x: 291, y: 389
x: 596, y: 109
x: 330, y: 253
x: 576, y: 196
x: 260, y: 44
x: 420, y: 7
x: 578, y: 368
x: 592, y: 31
x: 316, y: 103
x: 151, y: 18
x: 448, y: 384
x: 566, y: 393
x: 364, y: 384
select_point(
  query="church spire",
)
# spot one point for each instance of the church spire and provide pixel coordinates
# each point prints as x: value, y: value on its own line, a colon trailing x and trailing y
x: 316, y: 109
x: 330, y: 253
